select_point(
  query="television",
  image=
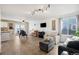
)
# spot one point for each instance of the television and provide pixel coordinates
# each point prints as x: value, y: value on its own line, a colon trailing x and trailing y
x: 43, y: 25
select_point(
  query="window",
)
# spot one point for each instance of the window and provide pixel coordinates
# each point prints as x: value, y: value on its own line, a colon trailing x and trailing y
x: 68, y: 25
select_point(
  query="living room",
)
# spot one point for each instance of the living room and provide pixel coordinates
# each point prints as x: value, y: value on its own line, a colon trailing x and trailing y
x: 42, y: 24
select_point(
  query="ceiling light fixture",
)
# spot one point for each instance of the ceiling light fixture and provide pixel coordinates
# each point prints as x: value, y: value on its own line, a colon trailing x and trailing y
x: 41, y: 9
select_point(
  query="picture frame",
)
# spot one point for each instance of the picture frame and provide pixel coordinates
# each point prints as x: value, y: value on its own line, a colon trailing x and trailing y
x: 53, y: 24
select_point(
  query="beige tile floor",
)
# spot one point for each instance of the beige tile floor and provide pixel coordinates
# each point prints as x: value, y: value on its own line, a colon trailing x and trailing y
x: 29, y: 46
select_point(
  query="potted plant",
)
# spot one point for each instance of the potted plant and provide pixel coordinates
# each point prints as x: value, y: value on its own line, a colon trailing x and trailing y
x: 77, y: 33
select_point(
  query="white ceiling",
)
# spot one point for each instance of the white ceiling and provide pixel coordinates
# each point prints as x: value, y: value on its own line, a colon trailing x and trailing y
x: 23, y: 11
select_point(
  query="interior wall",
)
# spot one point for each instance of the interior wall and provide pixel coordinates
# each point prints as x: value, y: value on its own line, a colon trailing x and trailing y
x: 26, y: 27
x: 49, y: 25
x: 35, y: 25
